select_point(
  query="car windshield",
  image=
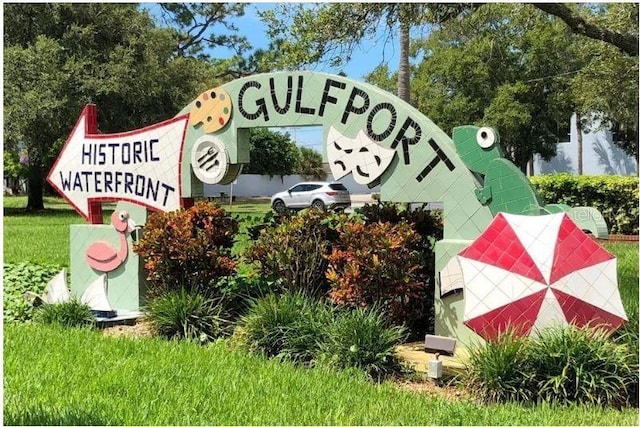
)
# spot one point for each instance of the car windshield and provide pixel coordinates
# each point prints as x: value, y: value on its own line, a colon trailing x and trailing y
x: 338, y: 187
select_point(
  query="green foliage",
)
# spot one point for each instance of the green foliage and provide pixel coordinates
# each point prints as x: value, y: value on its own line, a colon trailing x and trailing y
x: 187, y: 248
x: 295, y: 251
x: 362, y: 339
x: 585, y: 366
x: 304, y: 330
x: 239, y: 291
x: 560, y: 365
x: 506, y: 66
x: 17, y: 279
x: 499, y: 370
x: 310, y: 166
x: 608, y: 83
x: 629, y: 336
x: 185, y: 314
x: 303, y: 35
x: 68, y: 314
x: 616, y: 197
x: 288, y: 326
x: 377, y: 265
x: 193, y: 27
x: 56, y: 376
x: 272, y: 153
x: 60, y: 57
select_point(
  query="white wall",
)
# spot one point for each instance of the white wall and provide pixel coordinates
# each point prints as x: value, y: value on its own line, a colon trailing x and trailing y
x: 263, y: 186
x: 600, y: 156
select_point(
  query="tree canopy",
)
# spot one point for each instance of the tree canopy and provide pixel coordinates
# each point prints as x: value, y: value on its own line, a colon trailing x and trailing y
x: 521, y: 68
x: 59, y: 57
x: 272, y: 153
x: 310, y: 166
x: 500, y: 66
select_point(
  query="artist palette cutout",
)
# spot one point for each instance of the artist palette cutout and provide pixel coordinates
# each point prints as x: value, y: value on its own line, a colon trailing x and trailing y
x: 212, y: 109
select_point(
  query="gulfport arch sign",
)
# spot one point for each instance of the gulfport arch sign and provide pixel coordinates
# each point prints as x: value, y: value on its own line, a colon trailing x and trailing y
x: 367, y: 132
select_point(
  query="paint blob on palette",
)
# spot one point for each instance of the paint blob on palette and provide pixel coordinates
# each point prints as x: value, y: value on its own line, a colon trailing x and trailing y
x: 212, y: 109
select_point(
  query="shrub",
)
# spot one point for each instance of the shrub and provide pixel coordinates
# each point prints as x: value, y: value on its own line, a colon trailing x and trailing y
x: 289, y: 326
x: 307, y: 331
x: 72, y: 313
x: 362, y: 339
x: 17, y: 279
x: 374, y: 264
x: 498, y: 370
x: 616, y: 197
x: 581, y: 365
x: 187, y: 248
x: 184, y: 314
x: 239, y: 291
x: 269, y: 220
x: 295, y: 251
x: 560, y: 365
x: 428, y: 224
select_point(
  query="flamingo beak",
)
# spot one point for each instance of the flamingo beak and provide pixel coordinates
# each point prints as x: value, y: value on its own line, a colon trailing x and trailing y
x: 131, y: 225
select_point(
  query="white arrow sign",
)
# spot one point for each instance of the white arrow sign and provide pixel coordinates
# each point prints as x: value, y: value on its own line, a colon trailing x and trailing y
x: 141, y: 166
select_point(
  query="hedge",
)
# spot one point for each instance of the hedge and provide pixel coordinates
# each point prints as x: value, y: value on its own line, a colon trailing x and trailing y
x: 616, y: 197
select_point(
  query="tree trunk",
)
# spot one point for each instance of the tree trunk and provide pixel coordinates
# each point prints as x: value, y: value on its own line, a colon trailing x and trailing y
x: 579, y: 141
x: 404, y: 70
x: 35, y: 188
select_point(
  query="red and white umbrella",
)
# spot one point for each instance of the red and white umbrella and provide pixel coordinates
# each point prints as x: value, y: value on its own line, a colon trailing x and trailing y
x: 528, y: 272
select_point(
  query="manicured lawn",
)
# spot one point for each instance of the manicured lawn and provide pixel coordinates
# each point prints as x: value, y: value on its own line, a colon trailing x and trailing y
x: 43, y: 237
x: 71, y: 377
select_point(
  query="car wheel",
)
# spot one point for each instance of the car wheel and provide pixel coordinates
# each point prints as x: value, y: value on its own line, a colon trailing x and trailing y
x: 279, y: 206
x: 318, y: 204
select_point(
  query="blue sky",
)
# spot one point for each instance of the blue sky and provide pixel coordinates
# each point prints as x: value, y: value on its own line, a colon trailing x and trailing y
x: 364, y: 60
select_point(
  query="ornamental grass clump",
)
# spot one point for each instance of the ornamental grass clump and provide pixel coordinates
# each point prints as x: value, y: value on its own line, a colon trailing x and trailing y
x: 362, y: 339
x: 287, y: 326
x: 185, y: 314
x: 581, y: 365
x: 559, y: 365
x: 497, y: 371
x: 72, y: 313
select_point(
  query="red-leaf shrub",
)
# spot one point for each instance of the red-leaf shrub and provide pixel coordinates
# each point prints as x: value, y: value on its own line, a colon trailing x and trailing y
x: 428, y: 224
x: 294, y: 251
x: 187, y: 249
x: 377, y: 265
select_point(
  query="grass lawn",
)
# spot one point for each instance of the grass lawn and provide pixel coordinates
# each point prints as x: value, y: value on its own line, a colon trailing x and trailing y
x: 79, y: 377
x: 43, y: 237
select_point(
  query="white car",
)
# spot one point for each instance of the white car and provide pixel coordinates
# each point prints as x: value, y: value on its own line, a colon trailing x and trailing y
x: 317, y: 195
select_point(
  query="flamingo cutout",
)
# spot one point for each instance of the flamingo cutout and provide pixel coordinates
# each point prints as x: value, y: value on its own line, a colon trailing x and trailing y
x: 101, y: 255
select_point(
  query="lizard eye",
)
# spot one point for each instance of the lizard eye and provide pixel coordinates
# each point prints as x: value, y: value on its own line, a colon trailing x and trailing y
x: 485, y: 137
